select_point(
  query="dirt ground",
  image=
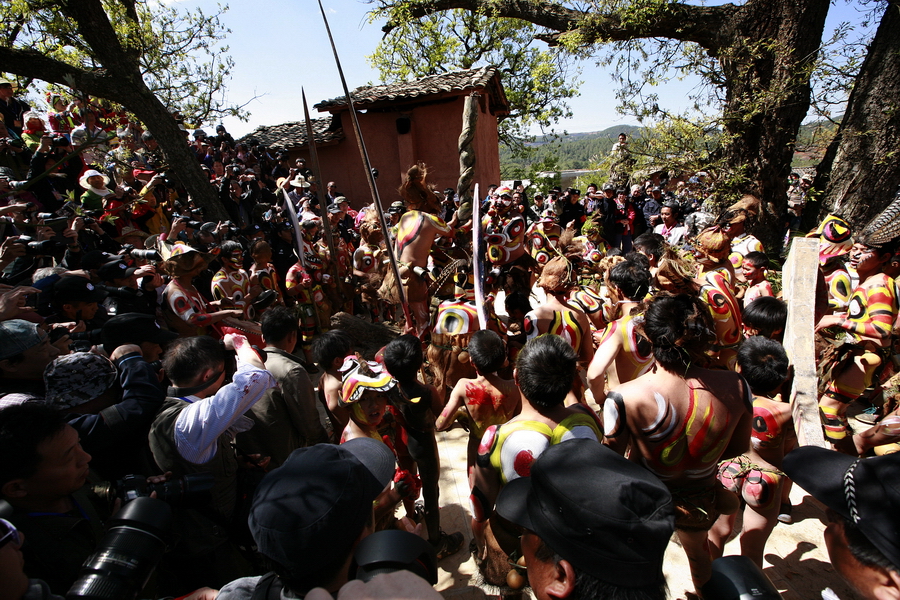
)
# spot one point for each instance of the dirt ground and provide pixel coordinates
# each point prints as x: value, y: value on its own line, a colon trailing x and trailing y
x: 795, y: 560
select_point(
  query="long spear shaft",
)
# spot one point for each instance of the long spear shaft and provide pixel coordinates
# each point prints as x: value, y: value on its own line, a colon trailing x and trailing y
x: 371, y: 178
x: 323, y: 208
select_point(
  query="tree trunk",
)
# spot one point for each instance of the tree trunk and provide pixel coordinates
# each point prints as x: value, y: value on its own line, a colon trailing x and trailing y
x: 766, y: 49
x: 860, y: 172
x: 766, y: 68
x: 181, y: 160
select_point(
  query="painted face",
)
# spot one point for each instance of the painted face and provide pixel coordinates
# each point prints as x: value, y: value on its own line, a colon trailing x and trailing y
x: 865, y: 259
x: 370, y: 409
x: 235, y: 258
x: 752, y: 273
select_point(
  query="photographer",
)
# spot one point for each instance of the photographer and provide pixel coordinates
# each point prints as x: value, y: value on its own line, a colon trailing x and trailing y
x: 125, y: 294
x: 13, y: 153
x: 110, y: 403
x: 193, y: 433
x: 42, y: 471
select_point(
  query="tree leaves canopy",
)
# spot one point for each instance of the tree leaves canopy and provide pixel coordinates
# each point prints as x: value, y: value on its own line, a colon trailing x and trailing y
x: 537, y: 79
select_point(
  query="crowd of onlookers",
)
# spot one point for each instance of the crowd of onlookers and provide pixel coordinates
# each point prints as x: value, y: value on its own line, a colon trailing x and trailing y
x: 146, y: 348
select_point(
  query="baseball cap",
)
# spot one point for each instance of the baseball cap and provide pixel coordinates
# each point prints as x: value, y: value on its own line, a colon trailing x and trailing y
x: 308, y: 512
x: 334, y: 209
x: 77, y: 289
x: 134, y: 328
x: 17, y: 336
x: 95, y: 259
x: 116, y: 269
x: 73, y: 379
x: 865, y: 491
x: 608, y: 516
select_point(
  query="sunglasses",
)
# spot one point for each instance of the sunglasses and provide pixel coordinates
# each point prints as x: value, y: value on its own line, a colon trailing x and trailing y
x: 9, y: 533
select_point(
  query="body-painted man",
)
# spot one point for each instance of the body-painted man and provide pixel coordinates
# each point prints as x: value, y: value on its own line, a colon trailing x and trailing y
x: 504, y: 235
x: 231, y: 283
x: 861, y: 359
x: 756, y: 476
x: 417, y: 229
x: 679, y: 420
x: 304, y: 283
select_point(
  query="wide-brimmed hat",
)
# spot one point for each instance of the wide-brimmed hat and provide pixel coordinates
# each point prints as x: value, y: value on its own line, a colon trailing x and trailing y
x: 834, y: 238
x: 307, y: 513
x: 606, y: 515
x: 179, y: 258
x: 865, y: 491
x: 134, y: 328
x: 300, y: 182
x: 356, y: 383
x: 83, y: 180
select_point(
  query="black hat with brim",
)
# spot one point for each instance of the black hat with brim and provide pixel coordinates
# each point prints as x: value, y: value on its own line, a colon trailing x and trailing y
x: 865, y: 491
x: 606, y: 515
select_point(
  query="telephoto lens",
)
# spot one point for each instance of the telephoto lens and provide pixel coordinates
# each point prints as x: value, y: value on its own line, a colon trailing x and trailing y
x: 128, y: 553
x: 738, y: 578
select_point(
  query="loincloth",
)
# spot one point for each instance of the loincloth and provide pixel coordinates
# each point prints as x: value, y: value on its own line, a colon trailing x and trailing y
x: 698, y: 508
x: 836, y: 357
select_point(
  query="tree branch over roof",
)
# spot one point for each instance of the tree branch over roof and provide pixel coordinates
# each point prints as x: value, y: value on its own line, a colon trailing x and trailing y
x: 645, y: 19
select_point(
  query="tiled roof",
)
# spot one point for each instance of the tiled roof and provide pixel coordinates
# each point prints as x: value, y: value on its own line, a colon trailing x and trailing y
x: 293, y: 134
x: 456, y: 81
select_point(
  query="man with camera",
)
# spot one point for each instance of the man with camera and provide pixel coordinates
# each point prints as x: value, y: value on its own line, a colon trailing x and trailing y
x: 193, y: 433
x: 42, y: 471
x: 12, y: 110
x: 124, y: 292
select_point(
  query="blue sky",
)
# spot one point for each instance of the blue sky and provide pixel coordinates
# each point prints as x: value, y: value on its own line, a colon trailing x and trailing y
x: 280, y: 46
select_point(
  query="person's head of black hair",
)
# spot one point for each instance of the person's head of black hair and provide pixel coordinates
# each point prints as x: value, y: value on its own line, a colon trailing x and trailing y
x: 22, y: 429
x: 331, y: 345
x: 403, y: 357
x: 632, y: 276
x: 650, y: 244
x: 680, y: 330
x: 767, y: 315
x: 187, y: 358
x: 545, y: 370
x: 230, y: 246
x: 277, y: 323
x: 487, y: 350
x: 517, y: 300
x: 764, y: 364
x: 588, y: 586
x: 862, y: 548
x: 757, y: 259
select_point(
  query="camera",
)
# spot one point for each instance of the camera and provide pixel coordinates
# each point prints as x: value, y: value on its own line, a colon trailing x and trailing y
x: 174, y: 491
x: 60, y: 141
x: 190, y: 222
x: 128, y: 553
x: 151, y: 255
x: 33, y: 248
x: 738, y: 578
x: 14, y: 143
x: 394, y: 550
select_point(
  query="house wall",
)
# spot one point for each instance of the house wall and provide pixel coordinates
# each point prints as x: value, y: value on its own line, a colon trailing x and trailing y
x: 432, y: 139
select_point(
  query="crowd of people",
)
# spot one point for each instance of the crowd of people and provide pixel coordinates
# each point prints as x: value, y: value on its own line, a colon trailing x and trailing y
x: 633, y: 385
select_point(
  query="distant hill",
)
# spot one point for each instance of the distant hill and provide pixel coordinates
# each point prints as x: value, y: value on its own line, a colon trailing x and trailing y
x: 580, y: 150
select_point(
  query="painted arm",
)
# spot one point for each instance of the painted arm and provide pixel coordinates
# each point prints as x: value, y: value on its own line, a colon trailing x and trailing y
x: 457, y: 397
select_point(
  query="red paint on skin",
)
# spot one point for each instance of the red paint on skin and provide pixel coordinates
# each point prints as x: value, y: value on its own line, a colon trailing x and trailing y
x: 478, y: 395
x: 522, y: 464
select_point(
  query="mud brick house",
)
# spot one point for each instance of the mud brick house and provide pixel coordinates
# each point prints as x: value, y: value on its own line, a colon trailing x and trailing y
x: 401, y: 123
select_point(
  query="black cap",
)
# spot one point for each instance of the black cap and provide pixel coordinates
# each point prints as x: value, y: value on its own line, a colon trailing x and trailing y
x: 95, y: 259
x: 308, y: 512
x: 116, y: 269
x: 134, y: 328
x: 865, y: 491
x: 74, y: 288
x: 334, y: 209
x: 608, y: 516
